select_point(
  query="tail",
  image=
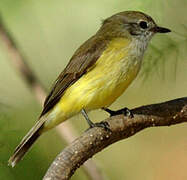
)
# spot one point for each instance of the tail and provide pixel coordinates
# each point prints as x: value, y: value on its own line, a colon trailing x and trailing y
x: 26, y: 143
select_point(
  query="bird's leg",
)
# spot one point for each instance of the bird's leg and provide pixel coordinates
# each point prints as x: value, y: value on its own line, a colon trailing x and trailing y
x: 125, y: 111
x: 90, y: 123
x: 102, y: 124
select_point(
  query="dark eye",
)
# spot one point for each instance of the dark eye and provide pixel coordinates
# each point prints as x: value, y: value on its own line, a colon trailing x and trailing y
x: 143, y: 24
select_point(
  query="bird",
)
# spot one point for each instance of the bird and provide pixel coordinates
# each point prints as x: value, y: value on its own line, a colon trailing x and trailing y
x: 100, y: 70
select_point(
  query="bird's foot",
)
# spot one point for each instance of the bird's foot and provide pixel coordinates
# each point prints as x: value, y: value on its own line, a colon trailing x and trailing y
x: 125, y: 111
x: 102, y: 124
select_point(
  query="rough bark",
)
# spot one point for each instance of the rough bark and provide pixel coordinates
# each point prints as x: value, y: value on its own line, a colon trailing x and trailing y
x: 94, y: 140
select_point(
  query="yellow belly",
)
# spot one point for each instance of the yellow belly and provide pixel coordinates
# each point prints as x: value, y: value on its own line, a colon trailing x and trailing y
x: 101, y: 85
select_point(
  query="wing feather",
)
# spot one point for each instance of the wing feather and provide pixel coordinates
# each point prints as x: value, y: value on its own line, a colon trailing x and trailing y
x: 84, y: 58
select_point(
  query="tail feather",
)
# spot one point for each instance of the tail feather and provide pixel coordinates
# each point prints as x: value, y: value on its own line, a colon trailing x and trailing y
x: 26, y: 143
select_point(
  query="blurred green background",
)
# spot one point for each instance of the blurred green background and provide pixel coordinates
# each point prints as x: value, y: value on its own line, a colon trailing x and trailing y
x: 48, y: 32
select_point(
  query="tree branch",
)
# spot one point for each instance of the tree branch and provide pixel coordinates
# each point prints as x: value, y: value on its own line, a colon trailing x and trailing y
x: 96, y: 139
x: 67, y: 131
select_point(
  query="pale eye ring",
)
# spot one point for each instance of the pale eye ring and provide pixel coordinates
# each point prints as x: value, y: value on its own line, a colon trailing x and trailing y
x: 143, y: 24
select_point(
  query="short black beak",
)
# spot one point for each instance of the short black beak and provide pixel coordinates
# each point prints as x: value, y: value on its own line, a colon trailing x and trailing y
x: 158, y: 29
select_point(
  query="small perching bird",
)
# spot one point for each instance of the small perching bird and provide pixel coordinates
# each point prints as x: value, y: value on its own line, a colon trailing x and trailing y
x: 98, y: 73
